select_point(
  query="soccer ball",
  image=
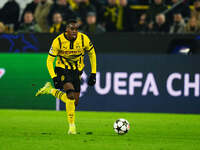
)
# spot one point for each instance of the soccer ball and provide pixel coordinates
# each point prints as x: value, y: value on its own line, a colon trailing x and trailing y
x: 121, y: 126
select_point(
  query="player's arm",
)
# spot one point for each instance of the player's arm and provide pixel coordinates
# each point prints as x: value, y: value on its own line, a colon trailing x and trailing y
x: 92, y: 56
x: 50, y: 67
x: 50, y: 60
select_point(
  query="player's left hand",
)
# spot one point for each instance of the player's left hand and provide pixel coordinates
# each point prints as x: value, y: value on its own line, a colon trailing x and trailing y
x: 92, y: 79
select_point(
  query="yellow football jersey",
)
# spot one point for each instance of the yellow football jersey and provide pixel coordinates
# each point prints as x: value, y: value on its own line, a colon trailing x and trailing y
x: 70, y: 54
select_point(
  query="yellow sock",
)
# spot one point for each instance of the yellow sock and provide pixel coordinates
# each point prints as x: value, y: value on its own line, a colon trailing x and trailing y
x: 70, y: 109
x: 70, y: 104
x: 59, y: 94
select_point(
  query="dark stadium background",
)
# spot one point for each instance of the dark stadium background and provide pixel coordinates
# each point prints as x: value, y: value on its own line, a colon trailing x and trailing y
x: 154, y: 52
x: 147, y: 73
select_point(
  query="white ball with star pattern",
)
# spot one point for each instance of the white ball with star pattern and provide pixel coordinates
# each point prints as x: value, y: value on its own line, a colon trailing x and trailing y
x: 121, y: 126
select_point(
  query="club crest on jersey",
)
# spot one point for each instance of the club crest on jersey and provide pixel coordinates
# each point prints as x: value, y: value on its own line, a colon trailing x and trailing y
x: 62, y: 78
x: 78, y: 46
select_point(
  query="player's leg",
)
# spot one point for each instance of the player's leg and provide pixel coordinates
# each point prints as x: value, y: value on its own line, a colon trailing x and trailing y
x: 70, y: 107
x: 67, y: 97
x: 76, y: 95
x: 48, y: 89
x: 77, y: 86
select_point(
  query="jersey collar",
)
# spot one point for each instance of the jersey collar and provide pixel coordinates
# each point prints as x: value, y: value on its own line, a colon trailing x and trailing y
x: 68, y: 39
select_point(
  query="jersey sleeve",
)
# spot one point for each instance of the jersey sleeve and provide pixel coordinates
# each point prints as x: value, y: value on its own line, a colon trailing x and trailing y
x: 54, y: 48
x: 53, y: 52
x: 89, y: 47
x: 50, y: 60
x: 88, y: 44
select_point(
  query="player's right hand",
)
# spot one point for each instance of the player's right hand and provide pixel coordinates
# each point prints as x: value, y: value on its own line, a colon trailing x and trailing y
x: 56, y: 82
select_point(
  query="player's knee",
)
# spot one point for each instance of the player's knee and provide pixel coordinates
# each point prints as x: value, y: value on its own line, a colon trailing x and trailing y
x: 70, y: 94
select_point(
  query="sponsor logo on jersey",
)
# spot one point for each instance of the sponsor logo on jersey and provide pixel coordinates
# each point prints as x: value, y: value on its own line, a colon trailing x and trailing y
x: 70, y: 52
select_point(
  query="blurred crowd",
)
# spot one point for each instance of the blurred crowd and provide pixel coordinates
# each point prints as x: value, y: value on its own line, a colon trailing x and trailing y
x: 99, y: 16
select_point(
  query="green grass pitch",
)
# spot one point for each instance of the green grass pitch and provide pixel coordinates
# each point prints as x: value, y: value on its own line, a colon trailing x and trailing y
x: 47, y: 130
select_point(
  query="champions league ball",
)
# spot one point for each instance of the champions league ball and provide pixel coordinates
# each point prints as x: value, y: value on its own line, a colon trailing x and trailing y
x: 121, y: 126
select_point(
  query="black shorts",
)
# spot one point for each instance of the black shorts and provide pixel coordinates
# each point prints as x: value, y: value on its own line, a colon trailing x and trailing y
x: 72, y: 76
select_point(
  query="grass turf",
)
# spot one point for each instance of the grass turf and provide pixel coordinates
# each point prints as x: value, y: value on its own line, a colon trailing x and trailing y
x: 46, y: 130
